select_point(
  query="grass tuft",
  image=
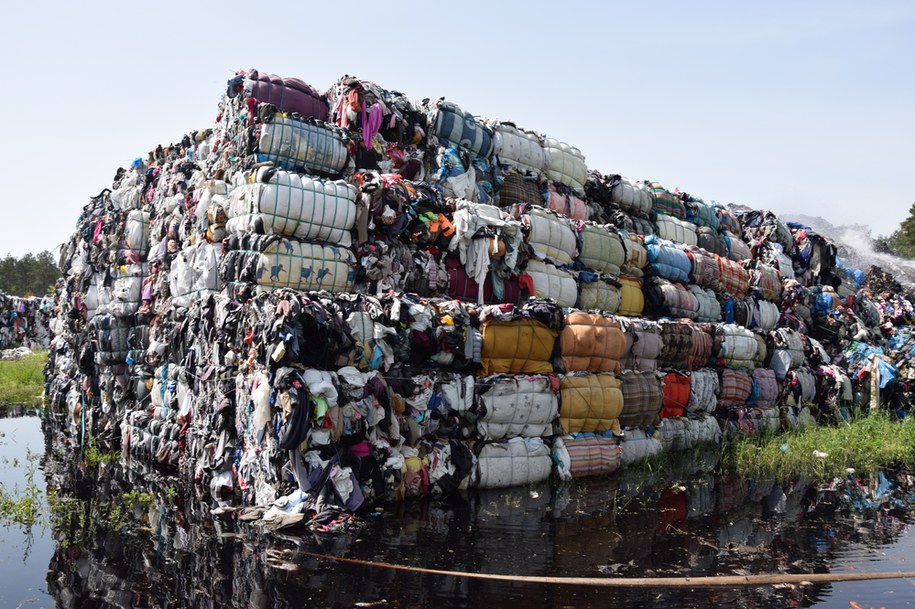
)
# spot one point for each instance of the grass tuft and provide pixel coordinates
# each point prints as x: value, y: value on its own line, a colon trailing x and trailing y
x: 22, y: 381
x: 868, y: 444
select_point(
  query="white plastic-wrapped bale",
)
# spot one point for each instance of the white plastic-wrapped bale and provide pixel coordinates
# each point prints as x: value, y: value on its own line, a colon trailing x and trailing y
x: 553, y: 282
x: 709, y: 307
x: 120, y: 295
x: 566, y: 164
x: 284, y: 263
x: 519, y: 148
x: 676, y: 230
x: 602, y: 249
x: 632, y: 197
x: 516, y: 406
x: 307, y: 146
x: 301, y: 207
x: 738, y: 346
x: 637, y: 445
x: 512, y: 462
x: 787, y: 351
x: 550, y: 235
x: 195, y: 272
x: 765, y: 314
x: 598, y: 293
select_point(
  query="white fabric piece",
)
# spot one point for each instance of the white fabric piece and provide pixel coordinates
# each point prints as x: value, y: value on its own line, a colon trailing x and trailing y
x: 195, y: 272
x: 517, y: 406
x: 470, y: 217
x: 512, y: 462
x: 136, y: 232
x: 122, y: 297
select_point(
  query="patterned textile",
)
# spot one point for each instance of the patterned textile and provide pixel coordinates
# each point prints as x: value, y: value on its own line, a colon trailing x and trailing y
x: 733, y: 278
x: 642, y: 398
x: 735, y: 387
x: 677, y: 338
x: 705, y: 270
x: 518, y: 190
x: 665, y: 202
x: 700, y: 346
x: 703, y: 391
x: 593, y: 455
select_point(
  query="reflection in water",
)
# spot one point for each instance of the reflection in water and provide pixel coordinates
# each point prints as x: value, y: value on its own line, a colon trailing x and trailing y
x: 128, y: 537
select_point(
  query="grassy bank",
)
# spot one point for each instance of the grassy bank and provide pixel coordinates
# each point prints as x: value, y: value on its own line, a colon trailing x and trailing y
x: 869, y: 443
x: 21, y: 381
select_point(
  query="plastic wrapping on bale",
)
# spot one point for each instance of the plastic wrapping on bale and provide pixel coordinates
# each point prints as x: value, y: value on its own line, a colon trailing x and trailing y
x: 703, y: 396
x: 787, y: 351
x: 566, y: 165
x: 516, y: 406
x: 671, y: 299
x: 590, y: 403
x: 711, y: 241
x: 642, y: 398
x: 800, y: 387
x: 643, y: 344
x: 700, y: 213
x: 454, y: 127
x: 519, y: 148
x: 598, y: 292
x: 765, y: 315
x: 632, y: 197
x: 282, y: 203
x: 549, y: 235
x: 287, y: 94
x: 273, y: 262
x: 667, y: 260
x: 516, y: 343
x: 552, y: 282
x: 591, y: 343
x: 514, y: 462
x: 636, y: 256
x: 737, y: 249
x: 677, y: 231
x: 601, y: 248
x: 738, y: 346
x: 709, y: 308
x: 296, y: 145
x: 592, y: 455
x: 765, y: 389
x: 637, y: 445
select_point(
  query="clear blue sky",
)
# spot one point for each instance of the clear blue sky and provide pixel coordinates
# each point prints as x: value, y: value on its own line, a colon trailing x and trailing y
x: 802, y: 107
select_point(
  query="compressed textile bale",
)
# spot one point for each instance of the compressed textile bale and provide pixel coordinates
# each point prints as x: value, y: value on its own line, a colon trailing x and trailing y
x: 704, y: 429
x: 566, y: 165
x: 632, y: 300
x: 738, y: 346
x: 301, y: 207
x: 136, y: 233
x: 637, y: 445
x: 667, y: 260
x: 302, y: 146
x: 195, y: 272
x: 601, y: 249
x: 733, y: 278
x: 642, y: 398
x: 711, y: 241
x: 517, y: 406
x: 800, y: 387
x: 676, y: 395
x: 120, y: 293
x: 518, y: 190
x: 765, y: 315
x: 705, y: 271
x: 643, y: 344
x: 702, y: 345
x: 666, y: 203
x: 671, y: 299
x: 762, y: 352
x: 287, y: 94
x: 709, y: 308
x: 675, y: 433
x: 787, y: 351
x: 593, y: 455
x: 559, y: 199
x: 636, y: 256
x: 728, y: 221
x: 590, y: 403
x: 553, y: 283
x: 598, y: 293
x: 284, y: 263
x: 632, y: 197
x: 519, y: 148
x: 677, y: 341
x: 766, y: 388
x: 735, y: 387
x: 737, y: 249
x: 766, y: 280
x: 550, y: 235
x: 677, y: 231
x: 703, y: 391
x: 591, y: 343
x: 522, y: 346
x: 514, y: 462
x: 111, y: 334
x: 454, y: 127
x: 701, y: 214
x: 462, y: 286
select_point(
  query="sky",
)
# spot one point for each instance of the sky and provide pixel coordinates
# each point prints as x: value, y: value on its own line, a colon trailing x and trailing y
x: 797, y: 107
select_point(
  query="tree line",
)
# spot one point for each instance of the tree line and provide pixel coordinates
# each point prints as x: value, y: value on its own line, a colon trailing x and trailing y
x: 30, y: 275
x: 902, y: 241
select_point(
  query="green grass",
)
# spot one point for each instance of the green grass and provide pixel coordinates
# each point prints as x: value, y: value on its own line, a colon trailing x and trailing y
x: 22, y: 381
x: 869, y: 443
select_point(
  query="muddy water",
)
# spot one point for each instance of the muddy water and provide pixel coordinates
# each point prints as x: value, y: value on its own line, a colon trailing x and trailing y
x: 683, y: 523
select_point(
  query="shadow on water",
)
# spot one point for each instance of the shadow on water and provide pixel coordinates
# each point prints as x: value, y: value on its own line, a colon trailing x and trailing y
x: 125, y: 536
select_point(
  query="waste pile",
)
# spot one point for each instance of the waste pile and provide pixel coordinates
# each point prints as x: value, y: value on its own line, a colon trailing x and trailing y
x: 330, y: 300
x: 24, y: 322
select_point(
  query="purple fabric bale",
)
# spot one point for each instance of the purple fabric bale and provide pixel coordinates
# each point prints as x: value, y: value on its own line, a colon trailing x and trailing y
x: 287, y: 94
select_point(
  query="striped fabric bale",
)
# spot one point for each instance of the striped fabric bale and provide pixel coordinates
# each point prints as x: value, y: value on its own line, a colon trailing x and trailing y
x: 632, y: 299
x: 667, y: 260
x: 549, y: 235
x: 636, y: 256
x: 637, y: 445
x: 700, y: 213
x: 514, y: 462
x: 303, y: 146
x: 765, y: 279
x: 566, y: 165
x: 590, y: 342
x: 664, y: 202
x: 552, y: 282
x: 517, y: 189
x: 593, y: 455
x: 284, y: 203
x: 733, y: 278
x: 766, y: 388
x: 735, y: 387
x: 703, y: 391
x: 676, y: 392
x: 711, y: 241
x: 738, y: 346
x: 642, y: 398
x: 704, y: 271
x: 709, y: 307
x: 671, y: 299
x: 727, y: 221
x: 676, y: 230
x: 787, y: 351
x: 737, y: 249
x: 701, y: 346
x: 590, y: 403
x: 454, y: 127
x: 643, y: 344
x: 598, y: 292
x: 677, y: 343
x: 601, y: 248
x: 516, y: 406
x: 519, y: 148
x: 632, y: 197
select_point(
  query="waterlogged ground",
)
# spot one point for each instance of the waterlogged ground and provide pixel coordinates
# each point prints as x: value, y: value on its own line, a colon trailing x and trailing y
x: 166, y: 550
